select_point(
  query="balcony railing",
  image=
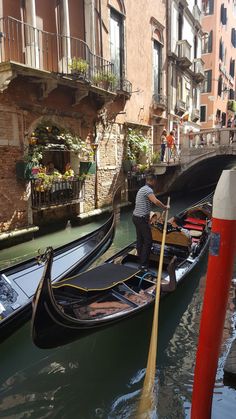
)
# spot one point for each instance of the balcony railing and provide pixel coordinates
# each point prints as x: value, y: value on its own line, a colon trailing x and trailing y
x: 180, y: 107
x: 198, y: 69
x: 32, y: 47
x: 57, y: 193
x: 124, y: 86
x: 183, y: 52
x: 195, y: 114
x: 159, y: 100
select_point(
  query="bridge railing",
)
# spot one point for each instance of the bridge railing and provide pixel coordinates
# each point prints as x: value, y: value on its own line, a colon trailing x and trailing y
x: 209, y: 138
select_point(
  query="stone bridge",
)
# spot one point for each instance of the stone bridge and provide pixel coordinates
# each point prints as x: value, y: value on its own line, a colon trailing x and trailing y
x: 201, y: 164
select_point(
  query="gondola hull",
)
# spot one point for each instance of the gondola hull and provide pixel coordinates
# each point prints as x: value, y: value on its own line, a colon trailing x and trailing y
x: 19, y: 283
x: 111, y: 292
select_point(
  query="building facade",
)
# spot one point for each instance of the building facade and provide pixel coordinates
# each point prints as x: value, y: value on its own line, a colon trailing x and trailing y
x: 77, y: 77
x: 185, y: 66
x: 218, y: 104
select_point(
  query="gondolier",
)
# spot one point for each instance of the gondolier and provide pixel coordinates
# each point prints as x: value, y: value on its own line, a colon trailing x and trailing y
x: 144, y: 199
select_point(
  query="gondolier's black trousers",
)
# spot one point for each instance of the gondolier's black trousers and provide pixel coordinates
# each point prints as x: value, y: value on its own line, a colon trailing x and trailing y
x: 144, y: 238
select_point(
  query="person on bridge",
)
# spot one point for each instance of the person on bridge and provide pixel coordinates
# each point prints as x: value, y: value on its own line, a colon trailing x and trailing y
x: 163, y: 144
x: 141, y: 215
x: 170, y: 140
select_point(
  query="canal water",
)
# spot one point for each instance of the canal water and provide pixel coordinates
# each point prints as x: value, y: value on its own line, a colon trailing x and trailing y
x: 101, y: 376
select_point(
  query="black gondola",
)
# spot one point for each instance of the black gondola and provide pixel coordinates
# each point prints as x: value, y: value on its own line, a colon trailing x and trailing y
x: 117, y: 289
x: 19, y: 283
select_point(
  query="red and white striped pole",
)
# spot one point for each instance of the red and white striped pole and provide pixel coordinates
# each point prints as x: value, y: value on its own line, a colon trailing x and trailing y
x: 219, y: 274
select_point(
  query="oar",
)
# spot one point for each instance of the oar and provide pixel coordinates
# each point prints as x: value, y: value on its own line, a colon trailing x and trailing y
x: 146, y: 401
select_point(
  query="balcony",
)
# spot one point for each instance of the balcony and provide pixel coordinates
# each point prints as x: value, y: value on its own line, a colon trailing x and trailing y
x: 195, y: 116
x: 57, y: 193
x: 198, y: 70
x: 159, y: 101
x: 197, y: 13
x: 180, y: 107
x: 66, y: 57
x: 124, y: 87
x: 183, y: 52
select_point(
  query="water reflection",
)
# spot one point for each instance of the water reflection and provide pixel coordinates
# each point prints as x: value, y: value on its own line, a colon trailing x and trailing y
x: 101, y: 376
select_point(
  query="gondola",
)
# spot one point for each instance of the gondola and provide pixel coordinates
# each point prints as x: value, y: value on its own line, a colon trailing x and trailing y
x: 118, y: 289
x: 18, y: 283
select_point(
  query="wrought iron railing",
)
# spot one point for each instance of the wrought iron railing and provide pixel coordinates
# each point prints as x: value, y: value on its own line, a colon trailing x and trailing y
x: 159, y: 99
x: 59, y: 192
x: 38, y: 49
x: 124, y: 85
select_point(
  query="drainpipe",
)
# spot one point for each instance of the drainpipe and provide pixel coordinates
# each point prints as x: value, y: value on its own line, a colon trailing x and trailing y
x: 31, y: 38
x: 168, y: 72
x: 100, y: 28
x: 93, y: 28
x: 65, y: 32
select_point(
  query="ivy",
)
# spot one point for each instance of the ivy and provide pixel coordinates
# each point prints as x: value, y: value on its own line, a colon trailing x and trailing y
x: 137, y: 145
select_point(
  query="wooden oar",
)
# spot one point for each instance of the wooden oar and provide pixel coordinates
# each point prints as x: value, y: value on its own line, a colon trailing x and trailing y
x: 146, y: 404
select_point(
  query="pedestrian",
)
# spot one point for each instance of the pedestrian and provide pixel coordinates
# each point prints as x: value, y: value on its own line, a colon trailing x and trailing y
x: 163, y: 144
x: 170, y: 144
x: 141, y: 216
x: 191, y: 138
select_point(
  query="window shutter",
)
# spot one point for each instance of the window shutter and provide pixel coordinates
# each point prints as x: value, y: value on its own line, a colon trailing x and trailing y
x: 202, y: 113
x: 219, y: 86
x: 211, y: 7
x: 231, y: 94
x: 221, y: 51
x: 210, y: 36
x: 232, y: 67
x: 221, y: 13
x: 209, y: 80
x: 233, y: 37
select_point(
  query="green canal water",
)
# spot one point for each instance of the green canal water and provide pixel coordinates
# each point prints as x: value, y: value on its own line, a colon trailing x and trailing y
x: 101, y: 376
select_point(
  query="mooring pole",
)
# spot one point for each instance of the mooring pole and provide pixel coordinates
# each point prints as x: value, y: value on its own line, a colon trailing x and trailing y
x: 219, y: 274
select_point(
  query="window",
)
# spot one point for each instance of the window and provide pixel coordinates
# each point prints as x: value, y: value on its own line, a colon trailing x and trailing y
x: 157, y: 63
x: 233, y: 37
x: 208, y: 7
x: 221, y: 50
x: 232, y: 67
x: 207, y: 43
x: 223, y: 14
x: 206, y: 87
x: 117, y: 42
x: 203, y: 113
x: 220, y: 85
x: 223, y: 119
x: 231, y: 94
x: 180, y: 23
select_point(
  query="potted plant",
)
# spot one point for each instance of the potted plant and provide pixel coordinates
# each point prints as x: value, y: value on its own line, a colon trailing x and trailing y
x: 79, y: 67
x: 106, y: 80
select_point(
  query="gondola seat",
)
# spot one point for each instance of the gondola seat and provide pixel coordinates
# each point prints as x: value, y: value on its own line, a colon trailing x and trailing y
x: 197, y: 221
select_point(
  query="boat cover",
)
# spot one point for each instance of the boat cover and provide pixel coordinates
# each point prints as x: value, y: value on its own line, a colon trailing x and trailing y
x: 100, y: 278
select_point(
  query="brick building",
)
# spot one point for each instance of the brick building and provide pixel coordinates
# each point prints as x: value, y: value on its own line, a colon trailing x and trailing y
x: 75, y: 72
x: 218, y: 104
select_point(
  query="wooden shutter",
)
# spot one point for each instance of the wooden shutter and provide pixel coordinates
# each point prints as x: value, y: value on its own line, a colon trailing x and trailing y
x: 210, y: 36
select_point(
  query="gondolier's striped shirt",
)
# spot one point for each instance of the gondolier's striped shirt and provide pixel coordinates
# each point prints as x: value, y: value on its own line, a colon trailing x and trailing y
x: 142, y: 203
